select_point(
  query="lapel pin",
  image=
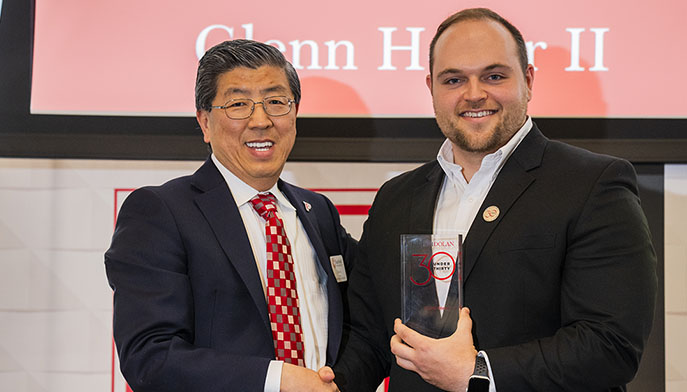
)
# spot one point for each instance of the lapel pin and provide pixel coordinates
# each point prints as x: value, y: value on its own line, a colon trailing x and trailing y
x: 307, y: 205
x: 490, y: 214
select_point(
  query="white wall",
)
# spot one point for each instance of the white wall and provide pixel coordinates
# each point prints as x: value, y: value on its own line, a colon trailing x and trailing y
x: 55, y: 305
x: 56, y: 219
x: 676, y: 277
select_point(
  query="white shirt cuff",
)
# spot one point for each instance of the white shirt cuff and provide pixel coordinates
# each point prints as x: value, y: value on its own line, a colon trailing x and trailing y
x: 273, y: 379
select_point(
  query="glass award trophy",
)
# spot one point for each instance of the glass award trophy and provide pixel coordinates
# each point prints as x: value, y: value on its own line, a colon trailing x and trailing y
x: 432, y: 282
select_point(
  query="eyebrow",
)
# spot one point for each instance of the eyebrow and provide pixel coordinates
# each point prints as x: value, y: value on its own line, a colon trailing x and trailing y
x: 491, y: 67
x: 239, y: 91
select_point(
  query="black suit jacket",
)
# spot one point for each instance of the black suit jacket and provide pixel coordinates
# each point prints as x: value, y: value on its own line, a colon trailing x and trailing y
x: 189, y: 308
x: 561, y: 286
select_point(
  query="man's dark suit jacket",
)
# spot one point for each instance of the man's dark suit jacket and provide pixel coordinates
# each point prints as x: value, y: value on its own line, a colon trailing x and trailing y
x: 189, y: 307
x: 561, y: 286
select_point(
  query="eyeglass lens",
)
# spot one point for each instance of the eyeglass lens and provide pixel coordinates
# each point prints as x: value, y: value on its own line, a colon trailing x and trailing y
x: 243, y: 107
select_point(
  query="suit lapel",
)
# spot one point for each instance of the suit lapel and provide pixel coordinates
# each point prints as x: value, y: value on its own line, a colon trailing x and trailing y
x: 308, y: 220
x: 511, y: 182
x: 424, y: 200
x: 218, y: 206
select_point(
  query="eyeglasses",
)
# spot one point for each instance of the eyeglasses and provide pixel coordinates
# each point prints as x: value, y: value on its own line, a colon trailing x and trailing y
x: 242, y: 108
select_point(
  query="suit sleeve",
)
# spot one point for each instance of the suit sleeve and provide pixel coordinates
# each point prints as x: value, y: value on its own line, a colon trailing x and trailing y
x: 608, y: 294
x: 147, y: 267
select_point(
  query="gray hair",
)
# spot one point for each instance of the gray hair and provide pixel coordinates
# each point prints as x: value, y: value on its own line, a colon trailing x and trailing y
x: 228, y: 55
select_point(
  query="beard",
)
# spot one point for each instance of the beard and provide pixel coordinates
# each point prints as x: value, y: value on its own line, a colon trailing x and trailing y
x: 485, y: 141
x: 498, y: 137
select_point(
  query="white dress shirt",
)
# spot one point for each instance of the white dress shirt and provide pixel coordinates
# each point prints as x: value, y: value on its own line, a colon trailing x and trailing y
x: 459, y: 201
x: 311, y: 278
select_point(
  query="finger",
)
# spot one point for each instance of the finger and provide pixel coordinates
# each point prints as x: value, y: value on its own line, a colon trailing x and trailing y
x: 464, y: 321
x: 406, y: 364
x: 326, y: 374
x: 408, y: 335
x: 397, y: 322
x: 400, y: 349
x: 394, y: 343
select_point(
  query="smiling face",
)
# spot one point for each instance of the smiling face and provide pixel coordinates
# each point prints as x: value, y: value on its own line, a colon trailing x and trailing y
x: 478, y: 88
x: 254, y: 149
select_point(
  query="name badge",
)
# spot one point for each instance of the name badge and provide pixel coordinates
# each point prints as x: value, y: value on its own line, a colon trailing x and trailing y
x: 339, y: 268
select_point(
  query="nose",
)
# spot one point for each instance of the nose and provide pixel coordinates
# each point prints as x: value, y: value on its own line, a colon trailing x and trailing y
x: 474, y: 91
x: 259, y: 118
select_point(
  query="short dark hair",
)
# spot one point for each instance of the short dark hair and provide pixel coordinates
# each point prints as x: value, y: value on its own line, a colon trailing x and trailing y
x: 481, y: 14
x: 228, y: 55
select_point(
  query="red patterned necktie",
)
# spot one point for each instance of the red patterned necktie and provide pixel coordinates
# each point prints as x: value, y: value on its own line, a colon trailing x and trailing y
x: 282, y: 298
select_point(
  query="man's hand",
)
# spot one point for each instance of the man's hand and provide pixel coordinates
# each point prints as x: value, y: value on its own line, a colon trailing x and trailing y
x: 445, y: 363
x: 326, y: 374
x: 300, y: 379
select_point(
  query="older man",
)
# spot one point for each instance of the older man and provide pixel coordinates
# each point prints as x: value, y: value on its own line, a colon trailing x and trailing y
x: 559, y: 270
x: 231, y: 279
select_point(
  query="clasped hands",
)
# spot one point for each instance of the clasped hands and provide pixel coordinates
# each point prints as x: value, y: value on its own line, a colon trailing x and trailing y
x: 445, y: 363
x: 298, y: 378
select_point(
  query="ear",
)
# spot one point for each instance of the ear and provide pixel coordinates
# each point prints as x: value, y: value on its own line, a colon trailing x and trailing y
x: 203, y: 118
x: 529, y: 80
x: 428, y: 80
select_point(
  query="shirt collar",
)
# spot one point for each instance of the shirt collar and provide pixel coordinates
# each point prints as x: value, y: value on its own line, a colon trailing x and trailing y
x: 243, y: 192
x: 497, y: 158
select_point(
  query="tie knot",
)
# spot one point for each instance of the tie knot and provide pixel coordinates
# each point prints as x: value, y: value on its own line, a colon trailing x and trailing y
x: 265, y: 204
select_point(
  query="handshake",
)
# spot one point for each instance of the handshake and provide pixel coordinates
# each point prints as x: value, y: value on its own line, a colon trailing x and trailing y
x: 298, y: 378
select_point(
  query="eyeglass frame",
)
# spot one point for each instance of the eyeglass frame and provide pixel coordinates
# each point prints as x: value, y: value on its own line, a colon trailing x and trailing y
x: 252, y: 109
